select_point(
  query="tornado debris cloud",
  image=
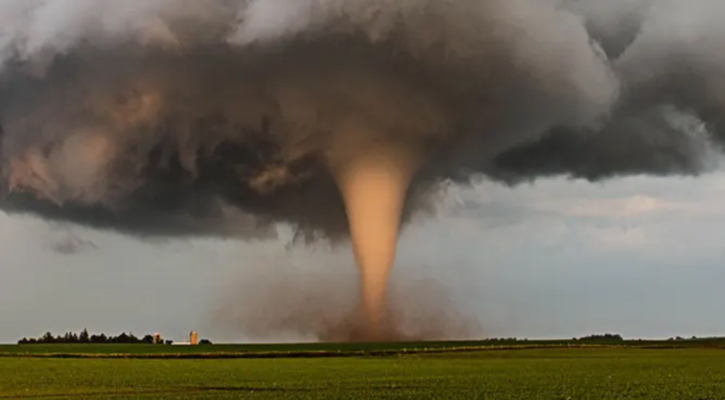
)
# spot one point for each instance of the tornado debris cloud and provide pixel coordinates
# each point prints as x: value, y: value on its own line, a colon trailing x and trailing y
x: 321, y: 305
x: 226, y: 117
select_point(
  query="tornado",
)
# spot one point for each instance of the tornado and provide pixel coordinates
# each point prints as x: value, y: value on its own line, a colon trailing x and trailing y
x: 373, y: 183
x: 338, y: 118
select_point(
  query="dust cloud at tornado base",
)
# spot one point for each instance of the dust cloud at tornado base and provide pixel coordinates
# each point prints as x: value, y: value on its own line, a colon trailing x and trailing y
x: 226, y: 117
x: 286, y: 302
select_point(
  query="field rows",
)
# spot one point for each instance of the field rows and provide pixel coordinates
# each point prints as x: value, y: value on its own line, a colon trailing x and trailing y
x: 314, y: 349
x: 205, y: 353
x: 554, y: 373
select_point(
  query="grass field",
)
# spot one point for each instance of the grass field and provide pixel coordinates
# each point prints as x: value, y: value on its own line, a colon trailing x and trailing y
x: 320, y: 349
x: 547, y: 373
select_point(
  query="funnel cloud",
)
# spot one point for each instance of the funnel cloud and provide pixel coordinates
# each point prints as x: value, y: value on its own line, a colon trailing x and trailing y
x: 340, y: 118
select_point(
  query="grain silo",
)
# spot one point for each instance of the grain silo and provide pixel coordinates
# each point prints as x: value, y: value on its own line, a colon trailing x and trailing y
x: 157, y: 338
x: 193, y: 338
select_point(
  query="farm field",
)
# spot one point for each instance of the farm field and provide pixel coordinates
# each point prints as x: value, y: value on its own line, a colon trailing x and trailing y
x: 549, y: 373
x: 321, y: 349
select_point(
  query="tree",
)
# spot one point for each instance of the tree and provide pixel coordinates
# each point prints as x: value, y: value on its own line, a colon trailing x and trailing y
x: 607, y: 337
x: 205, y: 342
x: 122, y: 338
x: 84, y: 337
x: 47, y: 338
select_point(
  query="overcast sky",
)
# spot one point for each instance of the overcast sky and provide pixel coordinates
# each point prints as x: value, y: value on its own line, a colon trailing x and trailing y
x: 638, y: 256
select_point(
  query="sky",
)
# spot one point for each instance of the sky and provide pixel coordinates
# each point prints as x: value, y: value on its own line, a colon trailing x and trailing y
x: 559, y: 258
x: 638, y: 256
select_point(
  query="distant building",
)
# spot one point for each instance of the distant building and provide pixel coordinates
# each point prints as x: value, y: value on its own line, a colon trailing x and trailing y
x: 191, y: 340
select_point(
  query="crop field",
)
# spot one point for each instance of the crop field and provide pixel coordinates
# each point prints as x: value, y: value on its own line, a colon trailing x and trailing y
x: 322, y: 349
x: 404, y: 371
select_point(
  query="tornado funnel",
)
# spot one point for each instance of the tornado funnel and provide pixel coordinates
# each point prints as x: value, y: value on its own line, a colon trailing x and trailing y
x: 374, y: 183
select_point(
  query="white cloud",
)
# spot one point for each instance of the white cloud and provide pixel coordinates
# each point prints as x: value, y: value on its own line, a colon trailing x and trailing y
x: 622, y: 207
x: 607, y: 239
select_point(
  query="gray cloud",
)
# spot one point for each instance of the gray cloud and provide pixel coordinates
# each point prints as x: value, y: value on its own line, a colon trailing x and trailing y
x: 220, y: 117
x: 72, y: 244
x: 667, y: 119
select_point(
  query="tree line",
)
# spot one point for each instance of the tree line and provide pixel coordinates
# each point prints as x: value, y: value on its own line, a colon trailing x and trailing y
x: 607, y: 337
x: 85, y: 337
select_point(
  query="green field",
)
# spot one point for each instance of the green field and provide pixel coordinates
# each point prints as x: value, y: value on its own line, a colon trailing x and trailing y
x: 320, y: 349
x: 28, y: 372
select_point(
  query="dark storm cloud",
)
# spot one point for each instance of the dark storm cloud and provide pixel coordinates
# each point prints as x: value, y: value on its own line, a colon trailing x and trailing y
x: 668, y: 118
x: 72, y: 244
x: 221, y: 117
